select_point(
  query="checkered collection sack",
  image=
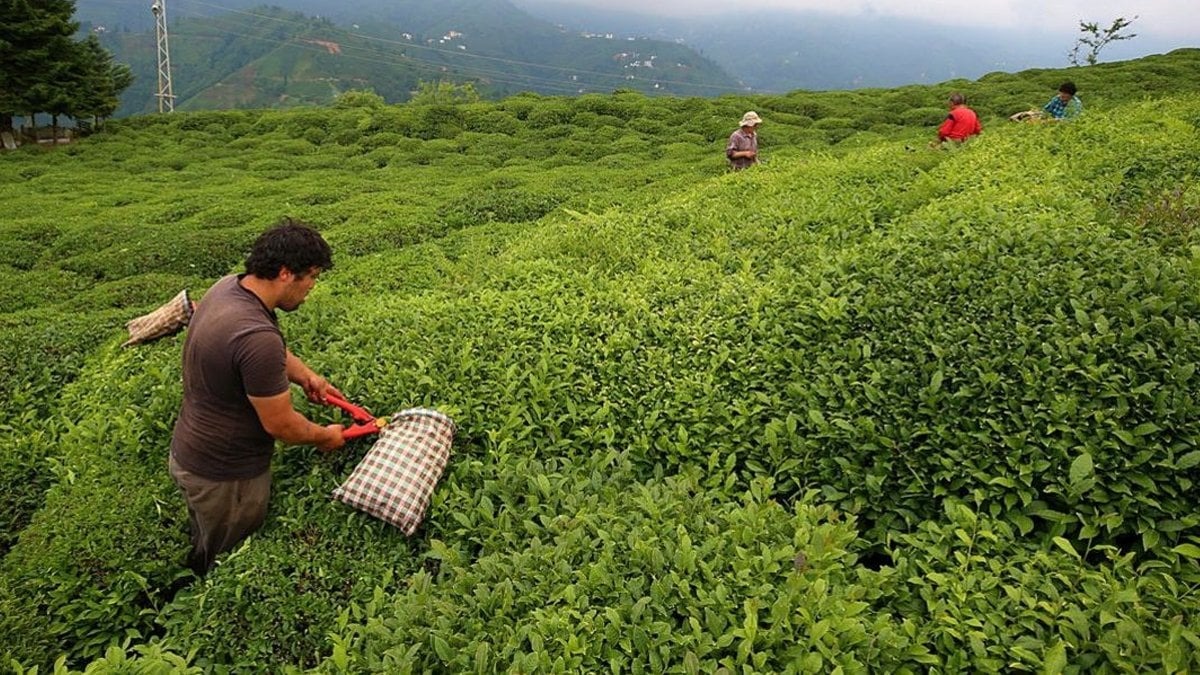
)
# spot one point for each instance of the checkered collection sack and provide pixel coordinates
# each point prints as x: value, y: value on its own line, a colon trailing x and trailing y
x: 396, y: 478
x: 166, y: 320
x: 1027, y: 116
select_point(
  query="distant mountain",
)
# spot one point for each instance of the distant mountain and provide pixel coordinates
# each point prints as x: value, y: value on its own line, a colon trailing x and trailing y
x: 273, y: 58
x: 784, y: 51
x: 817, y: 51
x: 233, y: 54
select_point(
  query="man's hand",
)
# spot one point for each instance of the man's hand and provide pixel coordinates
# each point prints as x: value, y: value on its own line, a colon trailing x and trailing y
x: 316, y: 387
x: 334, y: 438
x: 281, y: 420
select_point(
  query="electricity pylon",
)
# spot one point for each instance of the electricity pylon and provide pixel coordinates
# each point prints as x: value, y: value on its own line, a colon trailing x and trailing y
x: 165, y: 95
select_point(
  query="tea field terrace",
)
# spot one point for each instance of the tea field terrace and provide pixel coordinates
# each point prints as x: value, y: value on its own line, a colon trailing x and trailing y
x: 862, y: 406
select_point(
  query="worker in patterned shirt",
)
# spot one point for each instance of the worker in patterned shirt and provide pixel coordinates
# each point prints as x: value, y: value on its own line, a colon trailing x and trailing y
x: 1065, y: 105
x: 742, y: 149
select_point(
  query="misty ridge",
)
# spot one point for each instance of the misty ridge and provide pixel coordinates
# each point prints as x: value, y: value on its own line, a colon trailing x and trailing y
x: 243, y: 54
x: 246, y: 54
x: 781, y: 51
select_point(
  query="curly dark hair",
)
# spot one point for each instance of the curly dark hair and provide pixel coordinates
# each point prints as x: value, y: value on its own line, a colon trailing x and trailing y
x: 292, y: 244
x: 1068, y: 87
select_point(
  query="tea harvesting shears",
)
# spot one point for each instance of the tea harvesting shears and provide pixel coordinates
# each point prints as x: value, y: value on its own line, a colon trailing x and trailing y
x: 365, y: 423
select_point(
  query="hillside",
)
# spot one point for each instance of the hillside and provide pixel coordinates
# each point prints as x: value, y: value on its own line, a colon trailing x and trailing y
x: 819, y: 50
x: 270, y: 57
x: 867, y: 406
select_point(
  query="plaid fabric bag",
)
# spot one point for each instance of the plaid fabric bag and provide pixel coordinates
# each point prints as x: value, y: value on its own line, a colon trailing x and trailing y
x: 166, y: 320
x: 1027, y: 116
x: 396, y: 478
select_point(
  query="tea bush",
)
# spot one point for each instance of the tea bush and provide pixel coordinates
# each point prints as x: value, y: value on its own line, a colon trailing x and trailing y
x: 549, y: 115
x: 24, y: 475
x: 1172, y: 218
x: 510, y: 205
x: 923, y: 117
x: 665, y: 575
x: 43, y: 349
x: 996, y: 604
x: 25, y: 291
x: 274, y: 599
x: 860, y: 406
x: 105, y: 542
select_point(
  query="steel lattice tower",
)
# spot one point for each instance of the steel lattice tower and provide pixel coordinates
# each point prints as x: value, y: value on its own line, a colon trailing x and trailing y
x: 165, y: 95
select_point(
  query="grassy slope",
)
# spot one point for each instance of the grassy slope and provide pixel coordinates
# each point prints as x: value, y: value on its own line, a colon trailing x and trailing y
x: 592, y: 355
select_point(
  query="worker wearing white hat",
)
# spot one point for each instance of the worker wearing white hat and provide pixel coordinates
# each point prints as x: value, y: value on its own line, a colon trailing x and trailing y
x: 742, y: 149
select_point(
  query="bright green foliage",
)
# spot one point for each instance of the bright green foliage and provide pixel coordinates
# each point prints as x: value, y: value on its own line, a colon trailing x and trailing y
x: 620, y: 577
x: 358, y: 98
x: 860, y: 406
x: 997, y: 605
x: 444, y: 93
x: 80, y: 553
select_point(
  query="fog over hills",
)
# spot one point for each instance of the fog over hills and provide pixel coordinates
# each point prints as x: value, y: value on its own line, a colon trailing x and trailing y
x: 242, y: 54
x: 779, y: 50
x: 551, y: 47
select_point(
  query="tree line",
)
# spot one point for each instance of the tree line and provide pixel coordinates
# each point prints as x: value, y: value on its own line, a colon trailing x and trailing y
x: 44, y: 68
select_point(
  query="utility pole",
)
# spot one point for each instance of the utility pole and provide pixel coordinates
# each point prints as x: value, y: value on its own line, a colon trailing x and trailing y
x: 165, y: 95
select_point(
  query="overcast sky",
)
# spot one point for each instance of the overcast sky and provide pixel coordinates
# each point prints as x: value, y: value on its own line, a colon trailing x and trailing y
x: 1176, y: 19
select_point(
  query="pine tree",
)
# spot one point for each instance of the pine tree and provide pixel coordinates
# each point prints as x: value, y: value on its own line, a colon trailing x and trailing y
x: 43, y: 69
x: 35, y: 44
x: 103, y: 82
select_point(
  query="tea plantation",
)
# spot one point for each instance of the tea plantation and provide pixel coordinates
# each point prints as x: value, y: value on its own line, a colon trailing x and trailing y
x: 868, y: 407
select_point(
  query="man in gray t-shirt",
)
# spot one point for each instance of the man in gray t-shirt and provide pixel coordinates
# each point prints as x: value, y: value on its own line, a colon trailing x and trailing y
x: 236, y: 397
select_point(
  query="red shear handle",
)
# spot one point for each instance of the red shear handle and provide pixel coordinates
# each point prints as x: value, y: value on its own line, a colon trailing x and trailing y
x: 359, y: 430
x: 359, y: 413
x: 367, y: 423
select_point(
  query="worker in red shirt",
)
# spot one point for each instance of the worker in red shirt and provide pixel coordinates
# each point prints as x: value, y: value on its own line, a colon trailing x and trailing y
x: 960, y: 124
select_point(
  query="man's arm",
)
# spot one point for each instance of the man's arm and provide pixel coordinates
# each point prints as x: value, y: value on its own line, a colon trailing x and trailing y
x: 315, y: 387
x: 282, y: 421
x: 734, y: 150
x: 943, y: 131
